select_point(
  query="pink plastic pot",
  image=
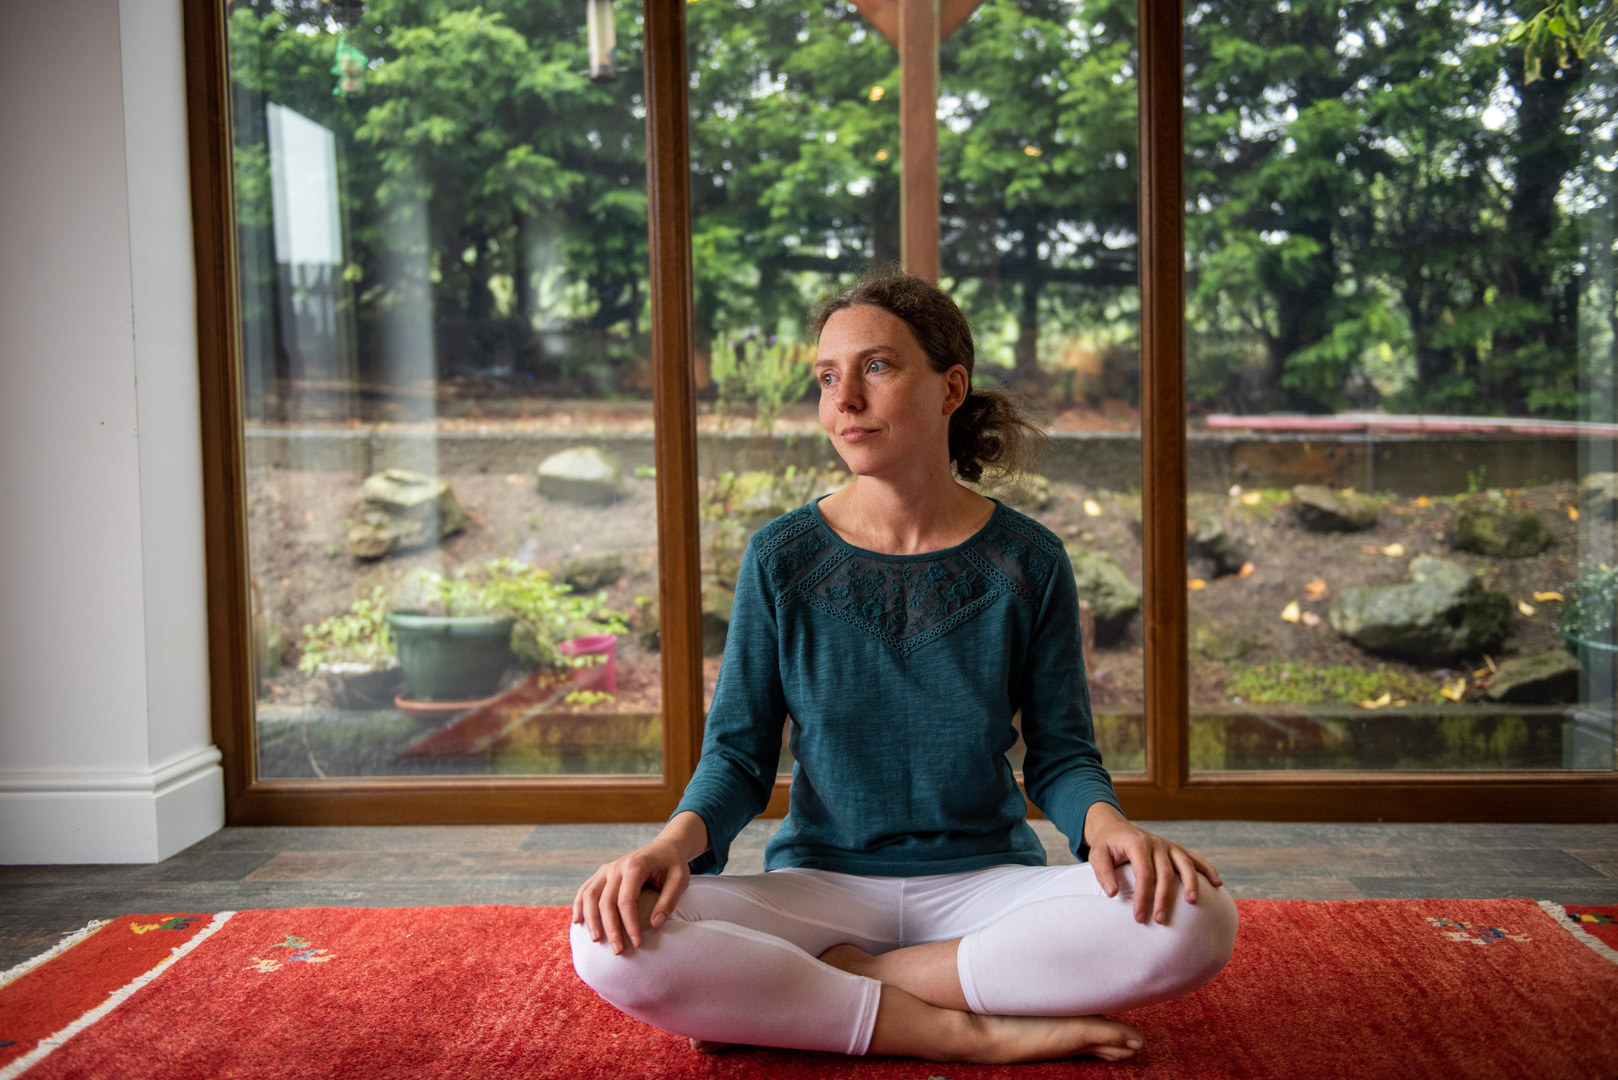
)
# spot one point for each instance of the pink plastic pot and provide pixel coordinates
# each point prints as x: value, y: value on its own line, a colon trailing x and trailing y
x: 601, y: 674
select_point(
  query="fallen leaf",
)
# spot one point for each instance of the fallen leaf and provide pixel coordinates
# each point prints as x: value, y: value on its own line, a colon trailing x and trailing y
x: 1196, y: 583
x: 1291, y: 613
x: 1235, y: 490
x: 1394, y: 550
x: 1542, y: 597
x: 1526, y: 608
x: 1252, y: 498
x: 1424, y: 501
x: 1573, y: 513
x: 1092, y: 508
x: 516, y: 478
x: 1401, y: 701
x: 1454, y: 691
x: 1311, y: 619
x: 1316, y: 588
x: 1489, y: 660
x: 1369, y: 549
x: 1246, y: 570
x: 1377, y: 703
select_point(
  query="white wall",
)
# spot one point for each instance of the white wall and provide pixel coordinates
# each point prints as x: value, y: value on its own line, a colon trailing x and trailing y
x: 105, y: 751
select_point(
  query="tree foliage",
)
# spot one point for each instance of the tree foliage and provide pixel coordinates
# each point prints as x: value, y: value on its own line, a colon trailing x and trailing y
x: 1389, y: 202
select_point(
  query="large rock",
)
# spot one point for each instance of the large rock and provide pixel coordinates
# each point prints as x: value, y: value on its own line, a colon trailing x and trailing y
x: 757, y: 497
x: 1320, y: 509
x: 587, y: 573
x: 1024, y: 491
x: 1441, y: 612
x: 717, y: 603
x: 1216, y: 641
x: 1210, y: 550
x: 1113, y: 597
x: 1489, y: 529
x: 1598, y: 496
x: 1551, y: 678
x: 583, y: 475
x: 400, y: 509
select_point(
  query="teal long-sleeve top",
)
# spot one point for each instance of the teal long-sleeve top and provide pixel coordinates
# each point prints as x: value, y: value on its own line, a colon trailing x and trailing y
x: 901, y: 675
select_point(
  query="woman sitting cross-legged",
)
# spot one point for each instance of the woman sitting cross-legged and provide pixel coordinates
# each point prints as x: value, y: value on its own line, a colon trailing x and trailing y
x: 902, y: 622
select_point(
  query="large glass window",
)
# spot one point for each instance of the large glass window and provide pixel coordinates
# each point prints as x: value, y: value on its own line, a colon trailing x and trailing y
x: 1399, y: 372
x: 441, y: 221
x: 796, y: 177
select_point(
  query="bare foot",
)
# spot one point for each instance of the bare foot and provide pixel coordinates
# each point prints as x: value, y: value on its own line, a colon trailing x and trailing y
x: 703, y: 1046
x: 1003, y: 1040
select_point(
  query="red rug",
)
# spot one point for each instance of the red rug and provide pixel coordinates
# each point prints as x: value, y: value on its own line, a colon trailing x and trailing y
x: 1372, y: 988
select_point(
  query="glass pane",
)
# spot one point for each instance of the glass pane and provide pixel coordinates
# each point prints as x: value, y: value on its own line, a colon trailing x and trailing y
x: 1399, y: 359
x: 796, y: 176
x: 451, y: 517
x: 1040, y: 244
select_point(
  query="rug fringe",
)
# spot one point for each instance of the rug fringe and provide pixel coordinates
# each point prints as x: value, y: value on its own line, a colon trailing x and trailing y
x: 13, y: 974
x: 1576, y: 928
x: 117, y: 997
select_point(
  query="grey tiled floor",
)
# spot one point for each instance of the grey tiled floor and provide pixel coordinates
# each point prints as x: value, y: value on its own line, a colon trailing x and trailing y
x: 517, y: 864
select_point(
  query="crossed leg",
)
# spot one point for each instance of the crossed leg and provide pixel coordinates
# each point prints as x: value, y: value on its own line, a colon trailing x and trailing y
x: 817, y: 960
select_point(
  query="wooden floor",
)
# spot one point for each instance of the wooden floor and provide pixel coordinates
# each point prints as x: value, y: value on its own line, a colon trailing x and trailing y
x: 517, y: 864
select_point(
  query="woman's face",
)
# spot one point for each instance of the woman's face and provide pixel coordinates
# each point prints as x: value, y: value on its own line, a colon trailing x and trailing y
x: 881, y: 402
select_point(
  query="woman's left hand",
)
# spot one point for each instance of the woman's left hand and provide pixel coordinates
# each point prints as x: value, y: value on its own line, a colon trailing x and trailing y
x: 1157, y: 862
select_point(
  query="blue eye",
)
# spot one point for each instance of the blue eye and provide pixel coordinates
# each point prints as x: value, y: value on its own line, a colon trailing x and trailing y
x: 873, y: 366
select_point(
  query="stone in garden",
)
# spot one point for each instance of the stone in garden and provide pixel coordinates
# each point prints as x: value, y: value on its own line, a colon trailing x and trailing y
x: 588, y: 573
x: 584, y: 475
x: 400, y: 509
x: 1023, y: 491
x: 1488, y: 529
x: 1321, y: 509
x: 1441, y: 612
x: 1598, y: 496
x: 1210, y: 551
x: 717, y: 602
x: 1215, y: 641
x: 757, y: 497
x: 645, y: 622
x: 1551, y: 678
x: 1113, y: 597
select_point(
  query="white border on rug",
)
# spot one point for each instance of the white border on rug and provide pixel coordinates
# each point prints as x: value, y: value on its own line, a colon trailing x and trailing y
x: 53, y: 1042
x: 11, y: 975
x: 1567, y: 922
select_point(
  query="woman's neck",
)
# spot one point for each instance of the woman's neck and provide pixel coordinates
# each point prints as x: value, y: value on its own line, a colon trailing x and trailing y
x: 905, y: 520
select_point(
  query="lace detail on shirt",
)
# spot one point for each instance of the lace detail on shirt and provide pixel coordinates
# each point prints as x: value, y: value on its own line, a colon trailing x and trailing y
x: 906, y: 604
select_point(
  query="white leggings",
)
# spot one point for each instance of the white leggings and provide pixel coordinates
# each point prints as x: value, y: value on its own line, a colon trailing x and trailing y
x: 737, y: 960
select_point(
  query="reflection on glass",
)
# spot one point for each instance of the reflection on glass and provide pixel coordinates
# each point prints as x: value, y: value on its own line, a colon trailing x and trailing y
x: 1400, y: 305
x: 451, y: 517
x: 796, y: 163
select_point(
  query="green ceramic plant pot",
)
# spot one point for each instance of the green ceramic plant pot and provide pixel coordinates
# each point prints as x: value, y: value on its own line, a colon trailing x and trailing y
x: 1596, y: 657
x: 451, y: 659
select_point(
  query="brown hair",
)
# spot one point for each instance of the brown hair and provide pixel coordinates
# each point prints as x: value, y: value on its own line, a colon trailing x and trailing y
x: 992, y: 430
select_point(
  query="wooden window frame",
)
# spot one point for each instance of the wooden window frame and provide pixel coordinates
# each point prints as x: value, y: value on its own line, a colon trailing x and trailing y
x: 1166, y: 790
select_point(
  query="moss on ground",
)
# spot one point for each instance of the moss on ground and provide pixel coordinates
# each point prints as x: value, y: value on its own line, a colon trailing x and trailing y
x: 1294, y: 683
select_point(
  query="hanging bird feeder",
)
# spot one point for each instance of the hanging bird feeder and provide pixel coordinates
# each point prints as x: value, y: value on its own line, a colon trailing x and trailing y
x: 349, y: 69
x: 603, y: 38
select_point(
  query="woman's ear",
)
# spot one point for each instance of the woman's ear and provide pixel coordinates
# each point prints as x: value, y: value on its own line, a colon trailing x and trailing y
x: 958, y: 384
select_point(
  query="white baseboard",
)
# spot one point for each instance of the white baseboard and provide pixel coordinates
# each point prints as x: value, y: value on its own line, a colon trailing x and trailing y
x: 111, y: 817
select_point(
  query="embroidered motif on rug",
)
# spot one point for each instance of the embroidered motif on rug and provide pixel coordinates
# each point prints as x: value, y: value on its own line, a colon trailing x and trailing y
x: 179, y: 922
x: 302, y: 953
x: 1475, y: 933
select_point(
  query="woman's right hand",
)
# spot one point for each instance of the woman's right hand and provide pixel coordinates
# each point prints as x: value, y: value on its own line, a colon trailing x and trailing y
x: 608, y: 902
